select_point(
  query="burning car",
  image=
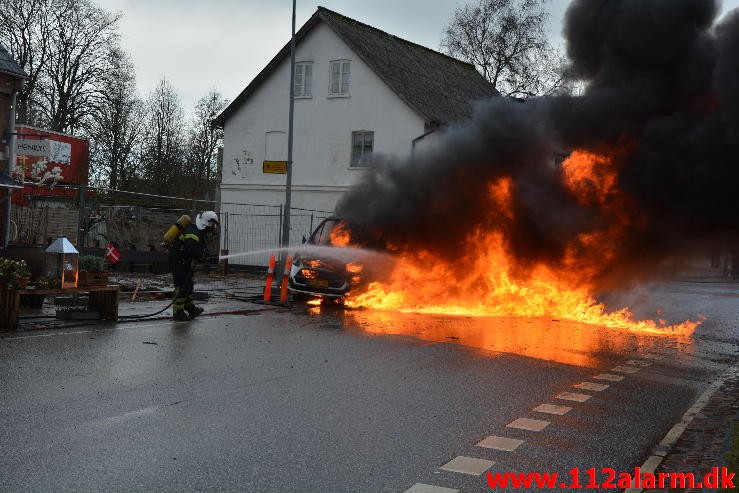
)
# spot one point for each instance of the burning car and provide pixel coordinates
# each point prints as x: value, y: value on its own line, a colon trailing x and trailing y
x: 322, y: 268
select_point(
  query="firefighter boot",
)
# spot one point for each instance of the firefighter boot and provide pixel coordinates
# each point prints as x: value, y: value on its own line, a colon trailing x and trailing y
x: 194, y: 310
x: 180, y: 317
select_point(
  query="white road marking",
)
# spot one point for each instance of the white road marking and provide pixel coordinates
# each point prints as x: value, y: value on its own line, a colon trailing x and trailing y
x: 573, y: 396
x: 529, y: 424
x: 609, y: 377
x: 650, y: 465
x: 637, y: 362
x: 500, y: 443
x: 625, y: 369
x: 652, y: 356
x: 595, y: 387
x: 126, y: 416
x: 46, y: 335
x: 552, y: 409
x: 467, y: 465
x: 427, y: 488
x: 102, y: 329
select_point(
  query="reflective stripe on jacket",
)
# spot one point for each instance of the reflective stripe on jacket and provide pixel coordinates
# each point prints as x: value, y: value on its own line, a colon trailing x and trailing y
x: 190, y: 245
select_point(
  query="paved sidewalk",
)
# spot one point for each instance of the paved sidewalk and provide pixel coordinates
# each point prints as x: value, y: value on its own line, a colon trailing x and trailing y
x: 44, y: 318
x: 707, y: 439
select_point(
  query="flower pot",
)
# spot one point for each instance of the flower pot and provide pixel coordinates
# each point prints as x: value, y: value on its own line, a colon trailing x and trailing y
x: 92, y: 279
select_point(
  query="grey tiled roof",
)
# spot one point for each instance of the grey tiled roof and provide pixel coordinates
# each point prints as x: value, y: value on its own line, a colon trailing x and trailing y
x: 439, y: 88
x: 9, y: 66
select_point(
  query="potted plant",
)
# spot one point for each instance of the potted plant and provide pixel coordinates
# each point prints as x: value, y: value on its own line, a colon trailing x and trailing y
x: 92, y: 272
x: 14, y: 273
x: 36, y: 300
x: 48, y: 283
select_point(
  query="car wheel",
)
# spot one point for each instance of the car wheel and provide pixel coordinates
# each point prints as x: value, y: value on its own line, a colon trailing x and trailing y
x: 301, y: 297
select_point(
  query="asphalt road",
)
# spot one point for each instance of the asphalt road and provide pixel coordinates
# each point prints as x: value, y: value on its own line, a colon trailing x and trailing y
x: 315, y: 399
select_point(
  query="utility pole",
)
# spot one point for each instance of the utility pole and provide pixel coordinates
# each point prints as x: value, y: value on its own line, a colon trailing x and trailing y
x: 288, y: 187
x: 11, y: 163
x: 285, y: 243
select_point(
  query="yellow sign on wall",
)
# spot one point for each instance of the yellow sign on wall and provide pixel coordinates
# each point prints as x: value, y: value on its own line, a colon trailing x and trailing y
x: 274, y: 167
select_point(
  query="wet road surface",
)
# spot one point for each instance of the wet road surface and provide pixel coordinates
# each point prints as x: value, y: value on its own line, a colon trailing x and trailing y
x: 319, y: 399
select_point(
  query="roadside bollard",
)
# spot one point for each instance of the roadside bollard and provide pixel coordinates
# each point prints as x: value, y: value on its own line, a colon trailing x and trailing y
x: 285, y: 277
x: 270, y: 275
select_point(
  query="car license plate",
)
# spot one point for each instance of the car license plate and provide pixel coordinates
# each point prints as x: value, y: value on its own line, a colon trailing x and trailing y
x: 317, y: 283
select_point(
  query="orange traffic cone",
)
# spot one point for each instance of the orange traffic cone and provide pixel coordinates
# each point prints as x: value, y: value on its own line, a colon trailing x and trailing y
x: 270, y: 275
x: 285, y: 277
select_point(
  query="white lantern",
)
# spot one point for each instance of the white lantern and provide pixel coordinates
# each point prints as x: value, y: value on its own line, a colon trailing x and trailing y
x: 62, y: 262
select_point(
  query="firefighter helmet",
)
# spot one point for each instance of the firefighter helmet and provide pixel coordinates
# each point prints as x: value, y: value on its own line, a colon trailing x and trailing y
x: 207, y: 219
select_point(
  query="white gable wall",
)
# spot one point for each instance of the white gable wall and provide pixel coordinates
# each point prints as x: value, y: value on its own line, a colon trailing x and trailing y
x: 322, y: 130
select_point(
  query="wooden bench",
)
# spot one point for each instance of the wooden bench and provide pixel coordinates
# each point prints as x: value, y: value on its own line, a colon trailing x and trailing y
x: 103, y: 299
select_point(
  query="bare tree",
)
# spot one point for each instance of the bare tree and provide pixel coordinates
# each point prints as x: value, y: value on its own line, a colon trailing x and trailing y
x: 204, y: 141
x: 164, y: 146
x: 83, y: 34
x: 506, y: 41
x: 116, y: 124
x: 62, y: 45
x: 25, y: 32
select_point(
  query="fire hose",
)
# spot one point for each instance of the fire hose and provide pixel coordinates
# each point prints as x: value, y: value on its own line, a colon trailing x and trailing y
x: 146, y: 316
x: 120, y: 317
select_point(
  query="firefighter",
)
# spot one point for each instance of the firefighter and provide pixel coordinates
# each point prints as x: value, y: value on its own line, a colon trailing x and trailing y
x: 188, y: 248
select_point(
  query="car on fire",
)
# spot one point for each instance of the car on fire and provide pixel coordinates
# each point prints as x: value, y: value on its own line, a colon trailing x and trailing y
x: 319, y: 269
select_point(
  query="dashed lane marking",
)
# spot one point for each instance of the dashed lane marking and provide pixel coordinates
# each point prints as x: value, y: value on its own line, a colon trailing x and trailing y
x: 121, y: 418
x: 625, y: 369
x: 500, y: 443
x: 573, y: 396
x: 529, y: 424
x: 427, y: 488
x: 609, y: 377
x: 652, y: 356
x: 638, y: 362
x: 552, y: 409
x: 468, y: 465
x: 595, y: 387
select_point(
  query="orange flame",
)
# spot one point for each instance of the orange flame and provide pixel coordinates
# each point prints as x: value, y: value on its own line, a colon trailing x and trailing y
x: 562, y: 341
x: 339, y: 236
x: 488, y: 281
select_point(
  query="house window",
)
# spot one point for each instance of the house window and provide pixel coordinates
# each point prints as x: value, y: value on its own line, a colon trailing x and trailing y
x: 362, y: 144
x: 303, y: 79
x: 339, y: 80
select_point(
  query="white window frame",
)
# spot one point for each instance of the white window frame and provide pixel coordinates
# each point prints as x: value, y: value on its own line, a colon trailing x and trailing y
x: 302, y: 94
x: 344, y: 78
x: 356, y: 161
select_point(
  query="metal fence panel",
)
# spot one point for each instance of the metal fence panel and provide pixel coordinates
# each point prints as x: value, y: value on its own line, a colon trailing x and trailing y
x: 252, y: 232
x: 137, y: 221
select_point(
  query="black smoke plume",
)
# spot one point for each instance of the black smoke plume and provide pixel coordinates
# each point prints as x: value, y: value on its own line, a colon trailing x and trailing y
x: 660, y: 74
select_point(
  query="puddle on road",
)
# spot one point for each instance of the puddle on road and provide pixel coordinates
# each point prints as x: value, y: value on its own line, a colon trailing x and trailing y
x: 560, y: 341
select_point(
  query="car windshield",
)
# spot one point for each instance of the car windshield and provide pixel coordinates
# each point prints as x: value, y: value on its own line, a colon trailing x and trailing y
x: 322, y: 234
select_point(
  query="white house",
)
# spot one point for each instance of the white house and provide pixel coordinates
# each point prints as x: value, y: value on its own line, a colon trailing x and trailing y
x: 359, y: 92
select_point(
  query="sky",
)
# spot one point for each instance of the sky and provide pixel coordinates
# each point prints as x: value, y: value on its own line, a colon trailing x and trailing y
x: 223, y: 44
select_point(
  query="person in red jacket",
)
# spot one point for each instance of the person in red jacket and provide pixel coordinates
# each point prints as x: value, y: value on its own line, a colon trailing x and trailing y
x: 188, y: 248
